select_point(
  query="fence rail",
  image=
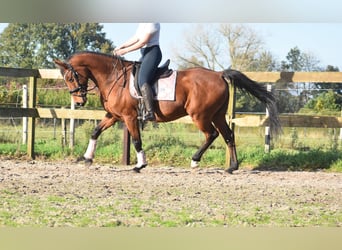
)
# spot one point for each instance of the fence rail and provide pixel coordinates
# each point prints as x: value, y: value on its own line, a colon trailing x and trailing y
x: 313, y: 77
x: 59, y: 113
x: 241, y: 120
x: 250, y: 120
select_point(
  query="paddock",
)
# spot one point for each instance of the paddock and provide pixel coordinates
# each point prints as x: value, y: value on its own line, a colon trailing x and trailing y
x: 66, y: 194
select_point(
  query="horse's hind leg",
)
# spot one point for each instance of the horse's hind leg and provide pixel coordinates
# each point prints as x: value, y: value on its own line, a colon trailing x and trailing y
x: 105, y: 123
x: 210, y: 135
x: 228, y: 135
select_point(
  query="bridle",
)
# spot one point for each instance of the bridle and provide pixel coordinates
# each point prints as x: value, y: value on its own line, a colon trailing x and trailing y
x: 82, y: 88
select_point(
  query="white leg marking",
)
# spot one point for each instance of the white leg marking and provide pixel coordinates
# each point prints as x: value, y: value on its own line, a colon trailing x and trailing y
x: 89, y: 154
x: 141, y: 157
x: 194, y: 164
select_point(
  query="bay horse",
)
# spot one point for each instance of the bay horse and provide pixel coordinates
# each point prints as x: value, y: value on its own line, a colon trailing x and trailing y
x: 201, y: 93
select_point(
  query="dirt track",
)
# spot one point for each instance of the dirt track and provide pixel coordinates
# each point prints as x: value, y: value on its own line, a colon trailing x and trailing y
x: 204, y: 196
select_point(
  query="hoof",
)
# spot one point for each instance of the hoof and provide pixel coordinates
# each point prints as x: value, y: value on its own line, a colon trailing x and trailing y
x: 138, y: 169
x: 79, y: 159
x: 231, y: 169
x: 87, y: 162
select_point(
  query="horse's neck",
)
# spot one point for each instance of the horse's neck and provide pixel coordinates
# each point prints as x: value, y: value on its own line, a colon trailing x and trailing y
x: 111, y: 79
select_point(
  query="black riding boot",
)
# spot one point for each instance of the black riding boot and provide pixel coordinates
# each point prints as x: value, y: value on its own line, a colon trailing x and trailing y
x: 147, y: 95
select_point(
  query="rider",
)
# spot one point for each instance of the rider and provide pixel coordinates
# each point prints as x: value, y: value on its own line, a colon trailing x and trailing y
x: 146, y: 38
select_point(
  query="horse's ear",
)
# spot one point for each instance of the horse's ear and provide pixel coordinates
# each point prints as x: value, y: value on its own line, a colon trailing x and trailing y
x: 60, y: 64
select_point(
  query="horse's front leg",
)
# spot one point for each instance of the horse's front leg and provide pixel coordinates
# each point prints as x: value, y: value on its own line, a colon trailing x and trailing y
x: 133, y: 128
x: 105, y: 123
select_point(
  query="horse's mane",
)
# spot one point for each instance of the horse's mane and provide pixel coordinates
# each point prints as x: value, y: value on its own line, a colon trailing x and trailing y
x: 111, y: 56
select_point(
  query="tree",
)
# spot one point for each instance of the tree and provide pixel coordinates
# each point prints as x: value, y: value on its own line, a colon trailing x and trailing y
x: 218, y: 46
x: 325, y: 102
x: 296, y: 60
x: 298, y: 93
x: 35, y: 45
x: 265, y: 62
x: 335, y: 87
x: 326, y: 97
x: 202, y: 48
x: 245, y: 48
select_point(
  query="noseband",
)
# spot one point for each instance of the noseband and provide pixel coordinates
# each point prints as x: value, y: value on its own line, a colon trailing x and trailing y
x: 79, y: 87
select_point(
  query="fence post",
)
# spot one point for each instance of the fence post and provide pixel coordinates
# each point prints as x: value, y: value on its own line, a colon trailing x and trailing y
x: 64, y: 131
x: 31, y: 120
x: 231, y: 113
x: 267, y: 128
x: 72, y: 127
x: 340, y: 137
x: 24, y: 118
x: 126, y: 147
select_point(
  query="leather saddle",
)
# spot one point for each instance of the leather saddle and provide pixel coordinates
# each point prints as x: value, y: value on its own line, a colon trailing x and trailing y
x: 163, y: 71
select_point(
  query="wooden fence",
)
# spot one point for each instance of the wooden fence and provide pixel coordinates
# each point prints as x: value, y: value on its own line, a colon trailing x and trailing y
x: 240, y: 120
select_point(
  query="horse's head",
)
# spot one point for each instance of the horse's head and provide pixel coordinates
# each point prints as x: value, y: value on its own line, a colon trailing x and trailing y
x: 77, y: 81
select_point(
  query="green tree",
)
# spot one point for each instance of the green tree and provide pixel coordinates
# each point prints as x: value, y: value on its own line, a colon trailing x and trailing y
x: 294, y: 60
x: 294, y: 96
x: 310, y: 97
x: 325, y: 102
x: 326, y: 97
x: 324, y: 87
x: 34, y: 45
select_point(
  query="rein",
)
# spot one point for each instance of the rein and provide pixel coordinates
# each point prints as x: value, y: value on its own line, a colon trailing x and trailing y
x: 124, y: 71
x: 118, y: 77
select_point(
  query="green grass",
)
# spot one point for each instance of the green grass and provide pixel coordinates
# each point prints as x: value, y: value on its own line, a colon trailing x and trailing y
x: 53, y: 211
x: 292, y: 159
x: 174, y: 144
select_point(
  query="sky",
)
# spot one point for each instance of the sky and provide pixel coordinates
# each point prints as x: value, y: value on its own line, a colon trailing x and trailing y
x: 323, y: 40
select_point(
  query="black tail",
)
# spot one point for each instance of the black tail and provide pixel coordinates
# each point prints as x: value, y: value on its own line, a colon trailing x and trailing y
x: 242, y: 82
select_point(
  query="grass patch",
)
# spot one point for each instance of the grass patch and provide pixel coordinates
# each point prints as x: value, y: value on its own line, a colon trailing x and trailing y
x: 41, y: 213
x: 174, y: 144
x: 296, y: 160
x: 18, y: 210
